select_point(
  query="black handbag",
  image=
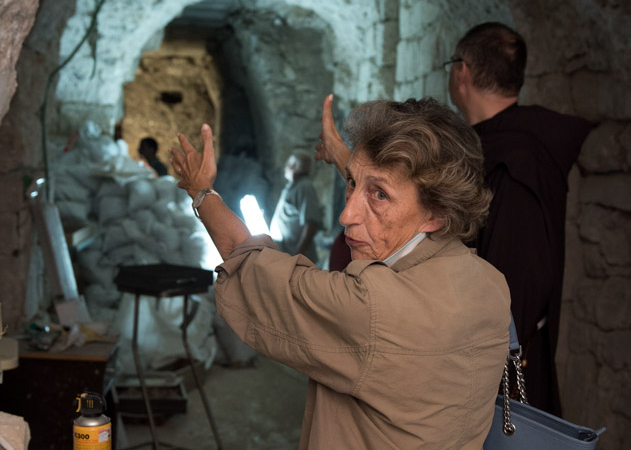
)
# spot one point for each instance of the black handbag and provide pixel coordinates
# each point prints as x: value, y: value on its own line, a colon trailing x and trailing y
x: 519, y: 426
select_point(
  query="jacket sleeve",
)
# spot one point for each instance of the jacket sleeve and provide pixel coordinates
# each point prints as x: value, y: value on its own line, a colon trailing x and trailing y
x: 315, y: 321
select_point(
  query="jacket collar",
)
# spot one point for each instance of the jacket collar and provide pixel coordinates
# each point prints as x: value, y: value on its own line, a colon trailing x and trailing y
x: 427, y: 248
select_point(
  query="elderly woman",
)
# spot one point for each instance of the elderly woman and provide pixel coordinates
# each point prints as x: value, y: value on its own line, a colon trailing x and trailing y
x: 404, y: 348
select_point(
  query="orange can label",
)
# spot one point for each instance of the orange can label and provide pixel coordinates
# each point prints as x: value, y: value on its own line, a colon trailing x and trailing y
x: 93, y: 438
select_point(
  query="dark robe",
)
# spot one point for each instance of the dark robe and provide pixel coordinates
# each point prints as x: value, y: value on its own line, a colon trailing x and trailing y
x: 528, y: 153
x: 340, y: 255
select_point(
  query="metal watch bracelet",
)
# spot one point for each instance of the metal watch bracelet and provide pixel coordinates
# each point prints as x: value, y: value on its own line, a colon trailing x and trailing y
x: 197, y: 201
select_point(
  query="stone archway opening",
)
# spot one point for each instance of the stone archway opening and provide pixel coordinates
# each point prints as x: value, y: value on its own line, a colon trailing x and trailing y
x: 177, y: 87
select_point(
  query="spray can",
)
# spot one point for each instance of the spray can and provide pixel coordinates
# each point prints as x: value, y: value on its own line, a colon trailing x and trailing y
x: 92, y: 430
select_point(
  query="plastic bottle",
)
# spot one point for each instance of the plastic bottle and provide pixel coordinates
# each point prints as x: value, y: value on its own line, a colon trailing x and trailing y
x: 92, y: 430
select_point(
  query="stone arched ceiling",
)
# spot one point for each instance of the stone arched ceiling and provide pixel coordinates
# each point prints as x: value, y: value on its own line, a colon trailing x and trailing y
x: 126, y: 28
x: 91, y: 84
x: 353, y: 28
x: 287, y: 54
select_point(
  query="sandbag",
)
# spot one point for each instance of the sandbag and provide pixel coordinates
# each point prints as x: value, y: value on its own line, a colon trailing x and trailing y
x: 73, y: 214
x: 100, y: 296
x: 114, y: 237
x: 93, y: 270
x: 111, y: 208
x: 141, y: 194
x: 166, y: 188
x: 67, y: 188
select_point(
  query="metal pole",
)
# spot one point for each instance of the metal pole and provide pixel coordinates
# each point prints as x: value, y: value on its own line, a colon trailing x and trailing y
x: 141, y: 376
x: 200, y: 388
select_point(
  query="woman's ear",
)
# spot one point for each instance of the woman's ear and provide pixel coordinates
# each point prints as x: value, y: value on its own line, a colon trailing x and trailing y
x: 433, y: 224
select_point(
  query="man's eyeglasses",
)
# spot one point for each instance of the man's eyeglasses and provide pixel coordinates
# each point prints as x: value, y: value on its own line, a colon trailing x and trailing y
x: 447, y: 64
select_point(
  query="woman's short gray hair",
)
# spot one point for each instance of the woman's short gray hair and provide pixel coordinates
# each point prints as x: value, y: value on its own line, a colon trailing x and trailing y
x: 436, y: 149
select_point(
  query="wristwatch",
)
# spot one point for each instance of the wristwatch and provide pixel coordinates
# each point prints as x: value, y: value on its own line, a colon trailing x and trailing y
x: 200, y: 197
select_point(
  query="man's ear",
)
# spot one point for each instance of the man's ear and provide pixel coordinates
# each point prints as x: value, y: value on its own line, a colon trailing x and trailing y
x: 462, y: 73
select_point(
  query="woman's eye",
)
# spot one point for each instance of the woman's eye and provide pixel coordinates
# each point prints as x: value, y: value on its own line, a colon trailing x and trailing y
x: 350, y: 182
x: 381, y: 195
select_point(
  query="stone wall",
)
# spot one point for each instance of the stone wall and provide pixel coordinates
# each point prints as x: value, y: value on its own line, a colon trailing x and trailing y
x: 360, y: 41
x: 152, y: 106
x: 579, y: 64
x: 17, y: 18
x: 286, y: 79
x: 429, y: 30
x: 20, y: 135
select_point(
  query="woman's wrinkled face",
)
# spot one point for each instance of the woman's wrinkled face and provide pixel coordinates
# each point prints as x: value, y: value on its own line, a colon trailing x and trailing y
x: 383, y: 210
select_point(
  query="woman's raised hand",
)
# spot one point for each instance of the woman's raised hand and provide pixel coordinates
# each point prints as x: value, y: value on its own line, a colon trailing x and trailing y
x: 196, y: 170
x: 332, y: 148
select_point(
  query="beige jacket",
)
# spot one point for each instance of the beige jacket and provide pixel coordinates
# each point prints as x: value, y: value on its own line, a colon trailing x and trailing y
x: 406, y: 357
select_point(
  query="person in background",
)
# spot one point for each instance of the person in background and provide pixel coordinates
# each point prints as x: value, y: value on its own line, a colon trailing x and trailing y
x: 528, y: 153
x: 406, y: 347
x: 298, y: 214
x: 148, y: 149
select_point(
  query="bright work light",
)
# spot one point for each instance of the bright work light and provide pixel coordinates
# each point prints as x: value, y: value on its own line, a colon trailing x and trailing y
x: 253, y: 215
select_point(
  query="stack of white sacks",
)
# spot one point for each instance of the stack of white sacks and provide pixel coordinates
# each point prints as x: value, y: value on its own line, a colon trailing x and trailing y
x: 139, y: 219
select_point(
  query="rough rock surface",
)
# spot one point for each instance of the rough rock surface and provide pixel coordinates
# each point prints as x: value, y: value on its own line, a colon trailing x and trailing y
x: 17, y: 18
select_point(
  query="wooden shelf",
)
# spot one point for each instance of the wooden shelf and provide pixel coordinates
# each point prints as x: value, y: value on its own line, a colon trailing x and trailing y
x: 92, y: 351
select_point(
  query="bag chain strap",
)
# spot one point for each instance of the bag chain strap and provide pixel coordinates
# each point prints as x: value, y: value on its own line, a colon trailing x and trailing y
x: 509, y: 427
x: 521, y: 381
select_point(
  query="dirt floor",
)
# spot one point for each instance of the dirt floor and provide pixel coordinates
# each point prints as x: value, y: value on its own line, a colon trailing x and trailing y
x: 255, y: 408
